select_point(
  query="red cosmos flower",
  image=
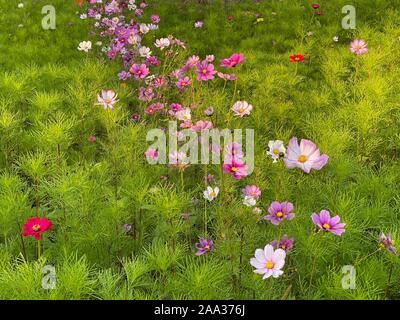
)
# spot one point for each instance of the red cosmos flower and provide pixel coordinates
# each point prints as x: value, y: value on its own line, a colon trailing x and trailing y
x: 296, y: 58
x: 36, y: 226
x: 315, y: 6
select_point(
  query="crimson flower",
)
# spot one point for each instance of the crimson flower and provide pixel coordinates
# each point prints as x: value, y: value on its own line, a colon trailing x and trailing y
x: 36, y: 226
x: 296, y: 58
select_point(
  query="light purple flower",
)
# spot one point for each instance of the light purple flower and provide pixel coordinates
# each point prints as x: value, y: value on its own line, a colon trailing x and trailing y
x: 205, y: 71
x: 204, y: 246
x: 279, y: 212
x: 251, y: 191
x: 388, y: 243
x: 305, y: 156
x: 269, y: 262
x: 328, y: 224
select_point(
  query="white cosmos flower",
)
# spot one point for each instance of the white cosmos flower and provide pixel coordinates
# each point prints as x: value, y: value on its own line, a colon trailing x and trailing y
x: 335, y: 38
x: 85, y: 46
x: 269, y: 262
x: 83, y: 16
x: 144, y: 28
x: 210, y: 194
x: 162, y: 43
x: 184, y: 115
x: 145, y: 52
x: 276, y: 149
x: 249, y: 201
x: 20, y: 5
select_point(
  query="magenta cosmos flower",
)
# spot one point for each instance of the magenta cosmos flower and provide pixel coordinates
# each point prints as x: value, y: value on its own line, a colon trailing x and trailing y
x: 326, y: 223
x: 359, y: 47
x: 205, y: 71
x: 139, y: 71
x: 183, y: 83
x: 204, y: 246
x: 279, y: 212
x: 107, y: 99
x: 305, y: 156
x: 233, y: 61
x: 269, y: 262
x: 285, y: 244
x: 237, y: 168
x: 251, y: 191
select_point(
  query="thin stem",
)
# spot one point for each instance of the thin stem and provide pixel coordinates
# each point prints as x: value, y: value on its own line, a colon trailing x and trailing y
x: 38, y: 248
x: 182, y: 181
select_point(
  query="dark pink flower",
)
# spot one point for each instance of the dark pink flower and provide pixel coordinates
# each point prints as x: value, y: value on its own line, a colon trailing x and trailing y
x: 233, y: 61
x: 328, y: 224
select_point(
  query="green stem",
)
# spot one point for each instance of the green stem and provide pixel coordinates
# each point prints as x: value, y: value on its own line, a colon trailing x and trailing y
x: 38, y: 248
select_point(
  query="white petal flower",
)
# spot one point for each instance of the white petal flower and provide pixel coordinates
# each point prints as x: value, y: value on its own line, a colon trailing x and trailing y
x: 210, y: 194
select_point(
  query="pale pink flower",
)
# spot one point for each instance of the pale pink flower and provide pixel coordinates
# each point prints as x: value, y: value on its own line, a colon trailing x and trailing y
x: 107, y: 99
x: 269, y: 262
x: 359, y: 47
x: 242, y: 108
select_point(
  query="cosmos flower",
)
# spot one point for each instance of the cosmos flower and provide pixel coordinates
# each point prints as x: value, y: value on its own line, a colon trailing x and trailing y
x: 296, y: 58
x: 145, y: 52
x: 139, y: 71
x: 305, y: 156
x: 135, y: 117
x: 242, y: 108
x: 237, y: 168
x: 315, y: 6
x: 183, y: 83
x: 205, y: 71
x: 162, y: 43
x: 184, y: 114
x: 36, y: 226
x: 249, y: 201
x: 178, y: 160
x: 107, y: 99
x: 210, y: 194
x: 328, y: 224
x: 279, y: 212
x: 388, y: 243
x: 335, y: 38
x: 233, y: 61
x: 209, y: 111
x: 276, y: 150
x: 228, y: 77
x: 251, y: 191
x: 269, y: 262
x: 359, y: 47
x: 199, y: 24
x: 204, y: 246
x: 85, y: 46
x: 155, y: 19
x: 92, y: 139
x: 151, y: 155
x: 233, y: 151
x: 284, y: 243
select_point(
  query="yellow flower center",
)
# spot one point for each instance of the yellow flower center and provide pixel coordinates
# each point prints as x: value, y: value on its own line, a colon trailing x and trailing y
x: 204, y: 71
x: 279, y: 214
x: 302, y: 159
x: 269, y: 264
x: 241, y: 110
x: 207, y: 247
x: 276, y: 151
x: 107, y: 101
x: 212, y: 194
x: 326, y: 226
x: 36, y: 227
x: 234, y: 169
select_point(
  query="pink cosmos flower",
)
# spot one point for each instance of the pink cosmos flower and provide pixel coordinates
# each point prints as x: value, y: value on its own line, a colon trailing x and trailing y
x: 107, y: 99
x: 174, y: 108
x: 388, y: 243
x: 183, y: 83
x: 202, y: 125
x: 233, y: 61
x: 269, y: 262
x: 279, y: 212
x: 205, y: 71
x: 139, y: 71
x: 305, y: 156
x: 237, y: 168
x: 192, y: 61
x: 155, y: 19
x: 233, y: 151
x: 242, y: 108
x: 359, y: 47
x: 229, y: 77
x: 151, y: 154
x: 150, y: 110
x: 199, y: 24
x: 251, y: 191
x: 328, y: 224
